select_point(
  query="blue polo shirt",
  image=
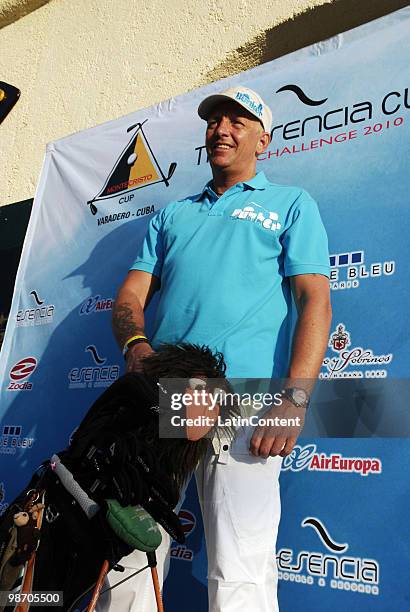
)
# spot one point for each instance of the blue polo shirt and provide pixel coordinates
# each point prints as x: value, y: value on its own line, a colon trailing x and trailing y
x: 224, y: 264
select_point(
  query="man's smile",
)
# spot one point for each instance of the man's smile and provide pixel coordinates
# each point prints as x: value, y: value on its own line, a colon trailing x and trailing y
x: 222, y: 146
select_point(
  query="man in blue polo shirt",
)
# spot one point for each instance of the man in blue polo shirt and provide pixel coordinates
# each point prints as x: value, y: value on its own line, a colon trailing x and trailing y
x: 226, y: 262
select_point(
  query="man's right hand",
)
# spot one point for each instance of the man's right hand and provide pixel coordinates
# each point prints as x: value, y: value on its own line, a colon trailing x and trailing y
x: 136, y: 354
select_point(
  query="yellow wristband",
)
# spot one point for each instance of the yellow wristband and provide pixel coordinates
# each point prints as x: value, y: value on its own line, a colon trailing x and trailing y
x: 139, y: 337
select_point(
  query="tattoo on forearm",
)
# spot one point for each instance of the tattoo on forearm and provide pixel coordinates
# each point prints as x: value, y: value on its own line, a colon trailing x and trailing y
x: 123, y: 323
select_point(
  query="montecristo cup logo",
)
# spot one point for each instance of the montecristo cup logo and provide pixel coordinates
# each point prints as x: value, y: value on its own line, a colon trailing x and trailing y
x: 135, y: 168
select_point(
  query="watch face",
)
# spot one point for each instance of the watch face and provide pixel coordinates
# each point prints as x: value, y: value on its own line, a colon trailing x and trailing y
x: 299, y: 395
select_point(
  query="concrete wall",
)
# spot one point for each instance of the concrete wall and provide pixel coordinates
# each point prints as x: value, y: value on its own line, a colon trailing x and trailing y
x: 79, y: 63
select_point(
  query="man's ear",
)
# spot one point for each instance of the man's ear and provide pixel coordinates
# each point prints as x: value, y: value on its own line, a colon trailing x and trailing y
x: 263, y: 143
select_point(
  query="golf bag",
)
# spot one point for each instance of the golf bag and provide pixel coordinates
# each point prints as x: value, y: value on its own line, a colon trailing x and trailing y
x: 114, y: 457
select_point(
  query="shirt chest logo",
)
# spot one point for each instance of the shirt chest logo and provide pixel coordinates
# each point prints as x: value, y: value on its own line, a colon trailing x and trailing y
x: 258, y: 214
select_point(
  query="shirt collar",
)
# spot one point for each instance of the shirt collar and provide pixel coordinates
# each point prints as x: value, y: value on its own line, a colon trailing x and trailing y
x: 258, y: 182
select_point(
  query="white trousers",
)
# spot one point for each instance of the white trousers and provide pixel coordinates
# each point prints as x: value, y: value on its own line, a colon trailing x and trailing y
x: 240, y: 502
x: 240, y: 505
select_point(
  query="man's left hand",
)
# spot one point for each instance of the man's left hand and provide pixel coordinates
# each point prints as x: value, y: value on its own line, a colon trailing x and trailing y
x: 279, y: 437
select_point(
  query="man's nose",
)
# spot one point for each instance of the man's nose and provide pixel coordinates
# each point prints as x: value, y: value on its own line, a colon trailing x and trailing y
x: 223, y: 126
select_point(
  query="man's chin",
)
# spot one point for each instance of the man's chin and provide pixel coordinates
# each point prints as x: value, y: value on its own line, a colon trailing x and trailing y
x: 220, y: 161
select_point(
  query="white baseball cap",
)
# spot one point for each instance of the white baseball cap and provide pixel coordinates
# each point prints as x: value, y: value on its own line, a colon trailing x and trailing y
x: 245, y: 97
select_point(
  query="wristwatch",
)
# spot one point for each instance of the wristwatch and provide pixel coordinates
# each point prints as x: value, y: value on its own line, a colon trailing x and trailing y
x: 299, y: 397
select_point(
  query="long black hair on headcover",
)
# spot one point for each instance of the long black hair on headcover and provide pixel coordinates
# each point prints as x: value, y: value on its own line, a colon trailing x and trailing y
x: 179, y: 456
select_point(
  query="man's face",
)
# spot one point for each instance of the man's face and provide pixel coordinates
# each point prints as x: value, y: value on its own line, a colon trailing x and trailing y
x: 234, y: 137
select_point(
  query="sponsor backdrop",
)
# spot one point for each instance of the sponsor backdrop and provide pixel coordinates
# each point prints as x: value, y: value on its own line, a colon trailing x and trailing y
x: 341, y: 130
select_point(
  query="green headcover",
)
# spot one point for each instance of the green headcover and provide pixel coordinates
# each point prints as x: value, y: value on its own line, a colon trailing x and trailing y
x: 134, y: 525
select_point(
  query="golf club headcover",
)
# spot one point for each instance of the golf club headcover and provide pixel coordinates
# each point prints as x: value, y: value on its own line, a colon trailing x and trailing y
x: 133, y: 525
x: 114, y: 452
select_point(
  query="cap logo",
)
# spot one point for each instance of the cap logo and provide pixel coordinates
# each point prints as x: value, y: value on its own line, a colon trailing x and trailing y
x: 245, y: 99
